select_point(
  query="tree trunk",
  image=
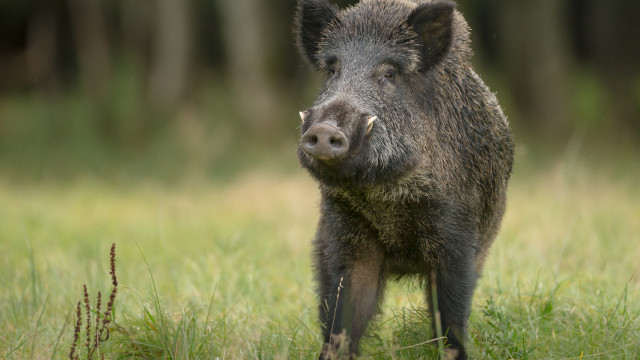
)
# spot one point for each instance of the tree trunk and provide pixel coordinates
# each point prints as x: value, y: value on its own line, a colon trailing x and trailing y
x: 536, y: 60
x: 92, y: 44
x: 40, y: 54
x: 615, y: 35
x: 170, y: 53
x: 246, y: 51
x: 35, y: 64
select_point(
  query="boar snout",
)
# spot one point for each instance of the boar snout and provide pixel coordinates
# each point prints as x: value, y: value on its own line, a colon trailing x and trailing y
x: 325, y: 142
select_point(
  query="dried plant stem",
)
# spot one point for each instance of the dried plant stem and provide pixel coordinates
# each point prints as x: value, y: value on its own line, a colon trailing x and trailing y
x: 87, y: 306
x: 96, y: 339
x: 436, y: 315
x: 112, y: 297
x: 100, y: 333
x: 335, y: 308
x: 76, y: 332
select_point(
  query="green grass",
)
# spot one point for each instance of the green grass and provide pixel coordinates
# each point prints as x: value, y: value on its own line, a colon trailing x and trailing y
x: 210, y: 270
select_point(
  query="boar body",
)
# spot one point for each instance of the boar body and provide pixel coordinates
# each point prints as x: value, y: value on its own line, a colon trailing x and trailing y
x: 412, y: 154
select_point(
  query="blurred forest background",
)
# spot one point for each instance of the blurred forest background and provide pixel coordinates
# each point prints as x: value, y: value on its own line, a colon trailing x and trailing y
x: 164, y: 88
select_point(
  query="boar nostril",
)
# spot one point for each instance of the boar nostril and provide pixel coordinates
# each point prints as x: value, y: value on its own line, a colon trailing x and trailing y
x: 324, y: 142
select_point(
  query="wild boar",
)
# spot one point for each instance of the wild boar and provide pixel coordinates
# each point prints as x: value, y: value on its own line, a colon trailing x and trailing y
x: 412, y: 154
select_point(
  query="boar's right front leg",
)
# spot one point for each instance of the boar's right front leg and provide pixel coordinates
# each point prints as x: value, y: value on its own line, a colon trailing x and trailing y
x: 350, y: 284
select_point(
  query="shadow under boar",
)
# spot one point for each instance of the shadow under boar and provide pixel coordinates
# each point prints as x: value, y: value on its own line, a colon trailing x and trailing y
x: 412, y: 154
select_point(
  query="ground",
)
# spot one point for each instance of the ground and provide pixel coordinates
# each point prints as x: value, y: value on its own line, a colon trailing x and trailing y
x: 221, y: 269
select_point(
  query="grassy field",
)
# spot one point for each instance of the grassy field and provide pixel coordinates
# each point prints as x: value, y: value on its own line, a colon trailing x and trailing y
x: 221, y: 270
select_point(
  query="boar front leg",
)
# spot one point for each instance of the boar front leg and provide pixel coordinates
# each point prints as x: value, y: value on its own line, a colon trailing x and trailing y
x: 454, y: 288
x: 351, y: 283
x: 455, y: 275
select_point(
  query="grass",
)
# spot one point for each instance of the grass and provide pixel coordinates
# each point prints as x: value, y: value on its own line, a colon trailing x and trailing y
x: 209, y: 270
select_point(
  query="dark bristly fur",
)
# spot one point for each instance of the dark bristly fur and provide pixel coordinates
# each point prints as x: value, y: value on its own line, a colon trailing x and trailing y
x: 425, y: 189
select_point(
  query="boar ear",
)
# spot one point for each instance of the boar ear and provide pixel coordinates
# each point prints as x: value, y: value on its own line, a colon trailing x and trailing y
x: 432, y: 22
x: 312, y: 16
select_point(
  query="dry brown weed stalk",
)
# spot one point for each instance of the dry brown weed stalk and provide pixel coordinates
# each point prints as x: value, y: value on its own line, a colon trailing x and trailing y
x: 99, y: 334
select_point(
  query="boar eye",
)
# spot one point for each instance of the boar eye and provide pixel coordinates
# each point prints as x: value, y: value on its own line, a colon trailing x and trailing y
x: 331, y: 66
x: 390, y: 75
x: 332, y: 71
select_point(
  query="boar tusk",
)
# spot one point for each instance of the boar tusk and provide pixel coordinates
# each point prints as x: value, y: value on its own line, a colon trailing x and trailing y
x: 370, y: 121
x: 303, y: 114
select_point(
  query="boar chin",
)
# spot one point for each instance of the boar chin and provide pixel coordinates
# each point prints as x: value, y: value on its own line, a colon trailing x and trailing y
x: 357, y: 170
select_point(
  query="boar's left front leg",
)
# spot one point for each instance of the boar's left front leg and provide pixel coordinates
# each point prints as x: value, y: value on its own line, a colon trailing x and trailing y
x: 455, y: 285
x: 455, y: 276
x: 351, y: 282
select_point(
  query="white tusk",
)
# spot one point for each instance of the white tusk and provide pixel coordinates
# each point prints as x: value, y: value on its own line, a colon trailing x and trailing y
x: 370, y: 121
x: 303, y: 114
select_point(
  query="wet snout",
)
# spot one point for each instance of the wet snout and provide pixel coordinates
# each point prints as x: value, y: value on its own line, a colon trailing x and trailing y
x: 325, y: 142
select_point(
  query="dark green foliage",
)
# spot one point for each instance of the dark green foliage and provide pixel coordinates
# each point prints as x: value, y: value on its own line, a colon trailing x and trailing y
x: 504, y: 337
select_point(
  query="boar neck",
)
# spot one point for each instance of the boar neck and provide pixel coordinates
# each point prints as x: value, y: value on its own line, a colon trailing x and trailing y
x: 396, y: 210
